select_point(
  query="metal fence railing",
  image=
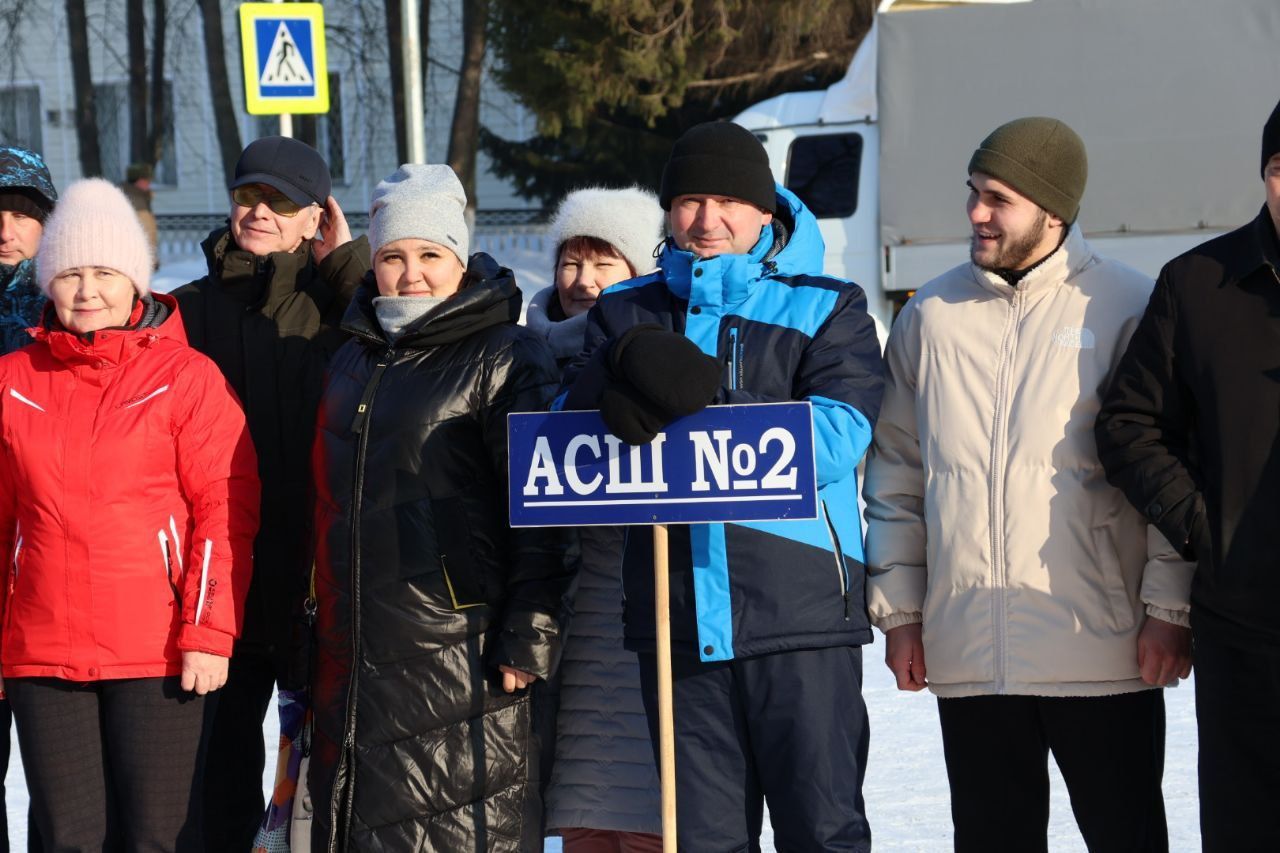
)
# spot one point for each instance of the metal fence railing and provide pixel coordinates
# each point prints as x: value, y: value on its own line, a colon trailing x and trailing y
x: 495, y: 231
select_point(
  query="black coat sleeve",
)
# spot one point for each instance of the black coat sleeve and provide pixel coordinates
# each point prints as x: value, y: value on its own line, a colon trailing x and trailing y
x: 588, y: 373
x: 1145, y: 426
x: 343, y: 270
x: 541, y: 560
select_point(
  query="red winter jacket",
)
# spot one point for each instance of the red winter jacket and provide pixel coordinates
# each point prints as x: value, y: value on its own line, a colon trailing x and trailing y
x: 128, y: 504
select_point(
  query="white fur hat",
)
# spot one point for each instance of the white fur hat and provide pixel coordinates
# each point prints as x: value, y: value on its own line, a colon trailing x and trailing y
x: 94, y: 225
x: 422, y: 201
x: 630, y: 220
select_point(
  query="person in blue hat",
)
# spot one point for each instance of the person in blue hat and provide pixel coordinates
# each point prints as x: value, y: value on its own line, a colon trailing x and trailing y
x: 27, y: 198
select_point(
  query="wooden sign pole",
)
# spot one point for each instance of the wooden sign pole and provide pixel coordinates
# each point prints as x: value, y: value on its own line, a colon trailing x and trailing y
x: 666, y: 718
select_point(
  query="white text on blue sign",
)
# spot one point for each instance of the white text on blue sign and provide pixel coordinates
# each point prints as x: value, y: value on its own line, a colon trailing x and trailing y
x: 726, y: 463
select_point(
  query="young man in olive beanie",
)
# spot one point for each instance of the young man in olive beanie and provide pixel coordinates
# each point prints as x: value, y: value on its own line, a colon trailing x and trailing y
x: 767, y: 619
x: 1190, y: 430
x: 1009, y: 579
x: 280, y: 278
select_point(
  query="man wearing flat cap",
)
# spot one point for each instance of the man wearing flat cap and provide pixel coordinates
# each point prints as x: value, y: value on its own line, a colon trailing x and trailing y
x: 767, y: 619
x: 1190, y: 430
x: 280, y: 277
x: 1008, y: 577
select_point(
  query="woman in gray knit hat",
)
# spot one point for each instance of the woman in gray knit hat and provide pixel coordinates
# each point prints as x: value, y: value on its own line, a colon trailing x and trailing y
x: 436, y: 622
x: 603, y: 796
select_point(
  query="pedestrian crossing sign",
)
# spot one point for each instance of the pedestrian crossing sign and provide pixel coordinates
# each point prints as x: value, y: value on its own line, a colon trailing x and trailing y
x: 284, y: 58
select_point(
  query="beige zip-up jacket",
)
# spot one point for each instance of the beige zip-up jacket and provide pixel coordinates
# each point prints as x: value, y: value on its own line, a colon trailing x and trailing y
x: 989, y: 517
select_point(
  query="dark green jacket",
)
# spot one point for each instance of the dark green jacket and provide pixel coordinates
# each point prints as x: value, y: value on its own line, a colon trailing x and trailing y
x: 271, y: 324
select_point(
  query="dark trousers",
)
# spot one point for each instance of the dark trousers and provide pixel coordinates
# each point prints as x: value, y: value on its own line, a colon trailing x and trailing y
x: 1110, y: 750
x: 118, y: 760
x: 33, y: 832
x: 1238, y: 717
x: 788, y: 728
x: 233, y: 802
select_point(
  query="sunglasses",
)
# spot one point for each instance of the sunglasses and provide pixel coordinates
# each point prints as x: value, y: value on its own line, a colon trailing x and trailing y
x: 249, y: 195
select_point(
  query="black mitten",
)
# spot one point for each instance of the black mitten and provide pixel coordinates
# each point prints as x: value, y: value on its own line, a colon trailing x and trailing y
x: 630, y: 416
x: 666, y: 368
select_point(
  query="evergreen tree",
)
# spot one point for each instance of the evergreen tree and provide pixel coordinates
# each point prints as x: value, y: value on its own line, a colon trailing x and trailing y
x: 613, y: 83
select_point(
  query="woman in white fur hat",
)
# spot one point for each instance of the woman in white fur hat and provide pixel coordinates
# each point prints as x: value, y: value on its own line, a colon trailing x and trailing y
x: 603, y: 796
x: 435, y: 621
x: 128, y: 506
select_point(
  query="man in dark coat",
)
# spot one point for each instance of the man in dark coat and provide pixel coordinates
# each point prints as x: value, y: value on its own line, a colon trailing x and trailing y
x: 767, y: 619
x: 280, y: 278
x: 1190, y: 430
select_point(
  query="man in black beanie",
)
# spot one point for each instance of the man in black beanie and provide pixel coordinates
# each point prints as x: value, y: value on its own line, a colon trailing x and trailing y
x: 768, y: 620
x: 1190, y: 430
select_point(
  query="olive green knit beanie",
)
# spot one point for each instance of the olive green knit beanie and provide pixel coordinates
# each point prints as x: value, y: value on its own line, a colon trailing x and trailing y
x: 1041, y: 158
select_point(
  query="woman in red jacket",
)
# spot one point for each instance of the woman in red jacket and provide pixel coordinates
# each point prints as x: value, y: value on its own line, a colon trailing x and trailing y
x: 128, y: 506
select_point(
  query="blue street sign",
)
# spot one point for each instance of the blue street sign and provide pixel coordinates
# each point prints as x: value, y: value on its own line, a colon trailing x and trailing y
x: 284, y: 58
x: 726, y: 463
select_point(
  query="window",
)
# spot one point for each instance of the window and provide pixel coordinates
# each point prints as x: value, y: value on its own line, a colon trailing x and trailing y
x: 329, y: 132
x: 20, y: 118
x: 823, y: 171
x: 111, y: 101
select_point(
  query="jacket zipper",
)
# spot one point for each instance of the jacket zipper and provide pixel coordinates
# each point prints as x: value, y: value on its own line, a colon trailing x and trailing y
x: 999, y: 436
x: 358, y: 426
x: 842, y: 571
x: 733, y: 358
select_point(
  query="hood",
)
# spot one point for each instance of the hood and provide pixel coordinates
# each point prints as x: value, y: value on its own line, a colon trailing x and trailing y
x: 492, y: 299
x: 156, y: 316
x: 565, y: 337
x: 793, y: 245
x: 257, y: 280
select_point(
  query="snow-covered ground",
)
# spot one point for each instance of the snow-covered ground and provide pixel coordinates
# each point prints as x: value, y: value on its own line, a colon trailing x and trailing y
x: 906, y: 785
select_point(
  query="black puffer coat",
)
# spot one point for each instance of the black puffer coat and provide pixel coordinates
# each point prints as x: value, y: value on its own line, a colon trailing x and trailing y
x: 425, y: 590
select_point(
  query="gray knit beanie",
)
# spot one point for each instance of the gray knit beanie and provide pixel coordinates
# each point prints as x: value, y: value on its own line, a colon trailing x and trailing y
x: 425, y: 202
x: 630, y: 220
x: 1041, y: 158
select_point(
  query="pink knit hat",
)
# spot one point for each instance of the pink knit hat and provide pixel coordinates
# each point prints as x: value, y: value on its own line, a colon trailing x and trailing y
x: 94, y: 225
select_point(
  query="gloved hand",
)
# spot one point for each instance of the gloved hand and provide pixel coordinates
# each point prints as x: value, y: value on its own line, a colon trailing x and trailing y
x: 666, y: 369
x: 630, y: 416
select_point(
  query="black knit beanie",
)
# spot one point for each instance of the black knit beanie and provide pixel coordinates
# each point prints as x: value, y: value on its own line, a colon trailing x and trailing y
x: 1041, y: 158
x: 719, y: 158
x: 1271, y: 137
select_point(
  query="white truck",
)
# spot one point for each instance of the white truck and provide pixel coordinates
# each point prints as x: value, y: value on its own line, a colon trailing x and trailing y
x: 1169, y: 96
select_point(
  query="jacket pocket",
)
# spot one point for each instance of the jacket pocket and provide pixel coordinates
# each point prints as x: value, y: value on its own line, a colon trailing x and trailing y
x: 171, y: 553
x: 842, y: 568
x: 13, y: 578
x: 435, y: 549
x: 1117, y: 602
x: 463, y: 575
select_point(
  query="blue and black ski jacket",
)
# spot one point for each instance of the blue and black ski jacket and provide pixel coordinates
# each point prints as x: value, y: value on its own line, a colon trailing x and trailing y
x: 784, y: 332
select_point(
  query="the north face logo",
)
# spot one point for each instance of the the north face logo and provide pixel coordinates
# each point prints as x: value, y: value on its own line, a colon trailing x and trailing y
x: 1074, y: 337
